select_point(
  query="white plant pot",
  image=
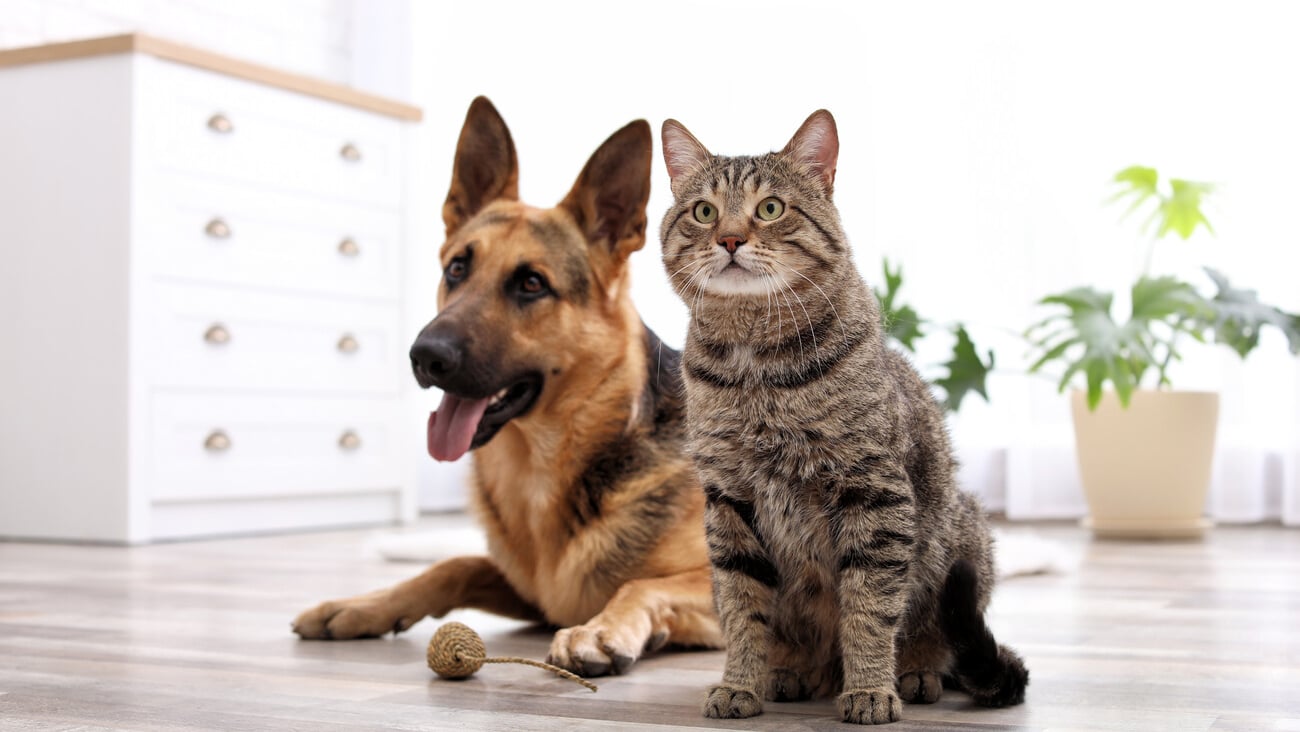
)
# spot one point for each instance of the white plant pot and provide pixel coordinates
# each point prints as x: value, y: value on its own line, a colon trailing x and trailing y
x: 1146, y: 469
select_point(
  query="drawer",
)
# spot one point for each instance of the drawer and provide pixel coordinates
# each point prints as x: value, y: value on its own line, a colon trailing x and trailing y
x: 205, y: 230
x: 202, y: 122
x: 206, y: 447
x: 234, y: 339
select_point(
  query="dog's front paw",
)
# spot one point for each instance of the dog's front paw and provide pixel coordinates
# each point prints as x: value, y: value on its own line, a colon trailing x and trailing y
x: 725, y: 702
x: 595, y: 649
x: 920, y: 687
x: 870, y: 706
x: 364, y: 616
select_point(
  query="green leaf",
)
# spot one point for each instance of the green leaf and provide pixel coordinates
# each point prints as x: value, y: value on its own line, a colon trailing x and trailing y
x: 904, y: 326
x: 1237, y: 316
x: 966, y: 371
x: 1181, y: 211
x: 1121, y: 373
x: 1052, y: 354
x: 893, y: 282
x: 1137, y: 183
x: 902, y: 323
x: 1104, y: 350
x: 1160, y: 298
x: 1081, y: 299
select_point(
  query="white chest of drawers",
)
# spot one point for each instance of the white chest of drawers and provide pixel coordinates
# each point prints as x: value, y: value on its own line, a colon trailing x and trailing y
x: 200, y: 297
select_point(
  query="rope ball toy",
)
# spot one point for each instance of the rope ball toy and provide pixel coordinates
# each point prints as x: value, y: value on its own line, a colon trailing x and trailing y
x: 456, y: 652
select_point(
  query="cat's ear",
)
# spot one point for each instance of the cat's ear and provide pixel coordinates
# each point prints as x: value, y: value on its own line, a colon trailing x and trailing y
x: 816, y: 147
x: 486, y: 168
x: 609, y: 198
x: 682, y: 152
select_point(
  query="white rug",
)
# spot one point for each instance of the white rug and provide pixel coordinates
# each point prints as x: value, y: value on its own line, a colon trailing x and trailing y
x: 1018, y: 553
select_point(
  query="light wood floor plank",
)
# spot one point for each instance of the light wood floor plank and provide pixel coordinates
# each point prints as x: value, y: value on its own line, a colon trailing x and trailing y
x: 195, y: 636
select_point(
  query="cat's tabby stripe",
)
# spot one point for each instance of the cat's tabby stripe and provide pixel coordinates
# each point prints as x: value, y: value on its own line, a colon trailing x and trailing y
x: 716, y: 351
x: 744, y: 510
x: 820, y: 333
x: 831, y: 242
x: 872, y: 501
x: 856, y: 559
x: 817, y: 369
x: 755, y: 566
x: 699, y: 373
x: 807, y: 251
x: 882, y: 539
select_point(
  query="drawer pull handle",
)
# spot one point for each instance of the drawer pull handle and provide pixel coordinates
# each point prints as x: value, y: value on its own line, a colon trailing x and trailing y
x: 217, y: 335
x: 350, y: 152
x: 221, y: 124
x: 218, y: 441
x: 350, y: 441
x: 349, y: 247
x: 217, y: 229
x: 348, y: 343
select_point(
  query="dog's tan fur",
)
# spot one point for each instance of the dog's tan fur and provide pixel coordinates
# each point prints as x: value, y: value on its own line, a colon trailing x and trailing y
x: 593, y: 513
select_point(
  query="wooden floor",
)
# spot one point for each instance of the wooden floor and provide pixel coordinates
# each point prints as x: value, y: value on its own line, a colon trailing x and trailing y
x: 195, y: 636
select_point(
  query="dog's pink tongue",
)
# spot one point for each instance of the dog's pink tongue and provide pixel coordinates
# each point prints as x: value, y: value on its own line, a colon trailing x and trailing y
x: 451, y: 428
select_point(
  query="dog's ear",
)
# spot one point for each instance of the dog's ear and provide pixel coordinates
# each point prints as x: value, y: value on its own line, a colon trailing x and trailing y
x: 682, y: 152
x: 486, y: 168
x: 816, y: 146
x: 608, y: 200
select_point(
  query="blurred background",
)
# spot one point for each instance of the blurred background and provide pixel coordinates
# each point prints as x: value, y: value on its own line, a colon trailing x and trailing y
x: 978, y: 142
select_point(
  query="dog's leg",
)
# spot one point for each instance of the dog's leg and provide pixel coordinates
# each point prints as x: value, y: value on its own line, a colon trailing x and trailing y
x: 473, y: 582
x: 644, y: 615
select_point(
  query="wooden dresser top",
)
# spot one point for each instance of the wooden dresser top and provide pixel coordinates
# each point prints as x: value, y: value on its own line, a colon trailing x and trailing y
x: 179, y: 53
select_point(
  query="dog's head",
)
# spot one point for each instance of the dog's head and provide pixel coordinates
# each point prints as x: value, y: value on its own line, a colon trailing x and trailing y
x: 528, y: 294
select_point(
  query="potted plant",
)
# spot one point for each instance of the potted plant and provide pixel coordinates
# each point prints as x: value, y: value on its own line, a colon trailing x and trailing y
x: 1144, y: 449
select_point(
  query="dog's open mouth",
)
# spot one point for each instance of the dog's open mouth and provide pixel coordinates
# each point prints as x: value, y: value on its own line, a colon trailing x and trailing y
x: 463, y: 423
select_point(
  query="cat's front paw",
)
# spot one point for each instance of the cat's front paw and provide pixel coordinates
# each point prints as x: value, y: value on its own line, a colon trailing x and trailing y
x: 724, y: 702
x: 920, y: 687
x: 870, y: 706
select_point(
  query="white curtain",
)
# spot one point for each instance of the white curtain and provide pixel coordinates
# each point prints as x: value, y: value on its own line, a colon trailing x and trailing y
x: 1031, y: 473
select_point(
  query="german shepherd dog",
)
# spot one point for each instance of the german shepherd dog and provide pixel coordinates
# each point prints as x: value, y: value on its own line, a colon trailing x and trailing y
x: 573, y: 408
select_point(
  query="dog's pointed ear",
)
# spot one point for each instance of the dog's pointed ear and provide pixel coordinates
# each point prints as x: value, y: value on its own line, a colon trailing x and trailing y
x: 682, y: 152
x: 486, y: 168
x: 816, y: 147
x: 609, y: 198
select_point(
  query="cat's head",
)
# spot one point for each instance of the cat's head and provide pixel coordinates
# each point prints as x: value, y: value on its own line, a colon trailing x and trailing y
x: 751, y: 227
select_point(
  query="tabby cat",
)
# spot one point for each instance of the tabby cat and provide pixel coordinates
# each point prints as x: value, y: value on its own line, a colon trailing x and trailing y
x: 845, y: 559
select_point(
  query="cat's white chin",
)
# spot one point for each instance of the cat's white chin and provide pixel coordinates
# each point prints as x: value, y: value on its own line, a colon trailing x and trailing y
x: 736, y: 281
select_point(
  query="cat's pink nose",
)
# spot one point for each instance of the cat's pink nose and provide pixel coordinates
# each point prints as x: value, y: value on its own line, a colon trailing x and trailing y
x: 731, y: 242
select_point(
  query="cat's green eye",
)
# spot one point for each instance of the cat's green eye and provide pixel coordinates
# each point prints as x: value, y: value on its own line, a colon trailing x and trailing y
x: 770, y: 209
x: 705, y: 212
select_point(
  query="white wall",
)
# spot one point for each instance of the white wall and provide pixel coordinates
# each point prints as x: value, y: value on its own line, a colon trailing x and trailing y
x: 977, y: 140
x: 308, y: 36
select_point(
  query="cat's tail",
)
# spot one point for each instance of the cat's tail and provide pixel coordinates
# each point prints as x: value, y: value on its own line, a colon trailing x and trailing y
x: 994, y: 675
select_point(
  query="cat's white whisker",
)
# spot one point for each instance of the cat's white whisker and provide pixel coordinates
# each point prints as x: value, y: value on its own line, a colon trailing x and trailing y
x: 843, y: 331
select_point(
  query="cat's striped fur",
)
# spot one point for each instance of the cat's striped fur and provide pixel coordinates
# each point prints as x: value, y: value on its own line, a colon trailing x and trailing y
x: 842, y: 549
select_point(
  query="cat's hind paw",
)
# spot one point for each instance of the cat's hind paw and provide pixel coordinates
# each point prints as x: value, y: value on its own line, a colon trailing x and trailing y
x: 870, y: 706
x: 920, y: 687
x: 784, y: 685
x: 724, y: 702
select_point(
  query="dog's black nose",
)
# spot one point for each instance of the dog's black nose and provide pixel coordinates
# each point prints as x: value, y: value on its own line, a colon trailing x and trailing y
x: 434, y: 358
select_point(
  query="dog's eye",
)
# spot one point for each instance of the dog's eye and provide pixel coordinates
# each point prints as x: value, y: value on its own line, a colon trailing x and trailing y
x: 533, y: 285
x: 770, y: 209
x: 705, y: 212
x: 457, y: 270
